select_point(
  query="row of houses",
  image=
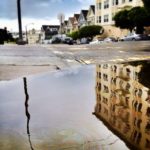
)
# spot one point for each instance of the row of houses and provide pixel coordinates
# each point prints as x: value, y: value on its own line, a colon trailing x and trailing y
x: 101, y: 13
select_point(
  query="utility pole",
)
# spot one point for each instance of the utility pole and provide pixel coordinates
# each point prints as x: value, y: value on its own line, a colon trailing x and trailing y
x: 19, y: 20
x: 61, y: 18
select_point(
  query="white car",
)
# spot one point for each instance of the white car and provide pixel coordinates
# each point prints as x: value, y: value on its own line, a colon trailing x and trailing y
x: 131, y: 37
x: 96, y: 41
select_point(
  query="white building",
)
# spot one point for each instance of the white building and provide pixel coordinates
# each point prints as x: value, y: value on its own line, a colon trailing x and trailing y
x: 106, y: 9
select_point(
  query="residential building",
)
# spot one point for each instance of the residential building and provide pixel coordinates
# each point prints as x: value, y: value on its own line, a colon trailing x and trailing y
x: 106, y: 9
x: 64, y: 27
x: 82, y: 21
x: 70, y: 25
x: 91, y: 15
x: 33, y: 36
x: 76, y: 18
x: 123, y: 103
x: 15, y: 35
x: 47, y: 31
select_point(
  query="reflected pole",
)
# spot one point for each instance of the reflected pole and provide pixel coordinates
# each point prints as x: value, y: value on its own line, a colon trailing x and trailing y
x: 19, y: 20
x: 27, y: 111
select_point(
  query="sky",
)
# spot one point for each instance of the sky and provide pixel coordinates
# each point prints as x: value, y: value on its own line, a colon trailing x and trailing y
x: 36, y: 13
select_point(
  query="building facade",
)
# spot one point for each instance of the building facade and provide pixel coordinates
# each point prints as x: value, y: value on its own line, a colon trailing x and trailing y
x: 82, y: 21
x: 123, y: 103
x: 33, y: 36
x: 70, y: 25
x: 47, y: 31
x: 76, y: 17
x: 91, y: 15
x: 106, y: 9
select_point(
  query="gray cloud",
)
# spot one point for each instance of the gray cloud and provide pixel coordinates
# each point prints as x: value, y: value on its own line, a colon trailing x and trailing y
x: 40, y: 8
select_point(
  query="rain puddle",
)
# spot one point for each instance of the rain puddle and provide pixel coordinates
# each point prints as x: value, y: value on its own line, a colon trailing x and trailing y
x: 98, y: 107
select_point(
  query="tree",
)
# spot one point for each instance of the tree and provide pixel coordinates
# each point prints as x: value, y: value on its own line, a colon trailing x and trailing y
x: 75, y: 35
x: 137, y: 18
x: 140, y: 18
x: 147, y: 5
x: 123, y: 21
x: 90, y: 31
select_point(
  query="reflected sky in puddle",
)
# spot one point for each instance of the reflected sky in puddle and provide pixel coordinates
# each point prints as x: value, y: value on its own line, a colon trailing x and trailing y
x: 54, y: 111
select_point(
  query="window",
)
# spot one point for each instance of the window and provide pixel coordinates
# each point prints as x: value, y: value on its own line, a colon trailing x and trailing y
x: 113, y: 2
x: 106, y: 18
x: 117, y: 2
x: 99, y: 5
x: 123, y: 1
x: 99, y: 19
x: 106, y: 4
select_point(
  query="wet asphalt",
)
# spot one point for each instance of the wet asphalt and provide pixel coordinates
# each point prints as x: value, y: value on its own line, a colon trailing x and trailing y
x: 23, y: 60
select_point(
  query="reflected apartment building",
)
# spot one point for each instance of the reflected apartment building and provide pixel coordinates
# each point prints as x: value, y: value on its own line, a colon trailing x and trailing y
x: 123, y: 104
x: 106, y: 9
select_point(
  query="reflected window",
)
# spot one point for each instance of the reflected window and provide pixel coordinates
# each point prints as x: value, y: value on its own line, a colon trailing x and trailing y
x: 127, y: 101
x: 128, y: 86
x: 105, y: 100
x: 139, y: 138
x: 99, y: 75
x: 139, y: 123
x: 106, y: 90
x: 139, y: 107
x: 148, y: 112
x: 121, y: 84
x: 147, y: 145
x: 148, y: 127
x: 140, y: 93
x: 135, y: 105
x: 115, y: 68
x: 105, y: 111
x: 105, y: 77
x: 105, y: 66
x: 136, y: 75
x: 128, y: 72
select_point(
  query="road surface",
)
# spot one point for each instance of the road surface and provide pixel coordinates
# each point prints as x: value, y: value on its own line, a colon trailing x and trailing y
x: 17, y: 61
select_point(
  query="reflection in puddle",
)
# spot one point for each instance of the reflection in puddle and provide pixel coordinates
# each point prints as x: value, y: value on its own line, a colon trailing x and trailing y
x: 61, y: 106
x: 123, y: 103
x: 26, y: 110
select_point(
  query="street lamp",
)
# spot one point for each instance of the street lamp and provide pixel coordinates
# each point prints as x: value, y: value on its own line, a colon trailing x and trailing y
x: 27, y: 30
x: 61, y: 18
x: 19, y: 20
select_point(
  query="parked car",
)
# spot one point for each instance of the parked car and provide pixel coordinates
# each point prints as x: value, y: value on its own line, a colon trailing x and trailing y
x: 110, y: 39
x: 96, y: 41
x: 144, y: 37
x: 56, y: 40
x: 131, y: 37
x: 68, y: 40
x: 84, y: 41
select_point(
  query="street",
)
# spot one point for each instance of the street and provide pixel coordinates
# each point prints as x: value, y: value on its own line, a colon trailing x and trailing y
x: 17, y: 61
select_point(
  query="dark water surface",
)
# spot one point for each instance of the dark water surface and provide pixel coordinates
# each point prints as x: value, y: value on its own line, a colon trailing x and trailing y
x: 53, y: 111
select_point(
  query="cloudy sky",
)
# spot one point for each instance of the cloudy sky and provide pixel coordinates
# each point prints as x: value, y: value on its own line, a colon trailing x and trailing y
x: 38, y: 11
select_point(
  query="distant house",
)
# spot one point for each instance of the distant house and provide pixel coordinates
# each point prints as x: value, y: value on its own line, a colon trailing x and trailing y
x: 75, y: 24
x: 33, y: 36
x: 64, y: 28
x: 82, y: 21
x: 70, y: 25
x: 91, y: 15
x: 49, y: 30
